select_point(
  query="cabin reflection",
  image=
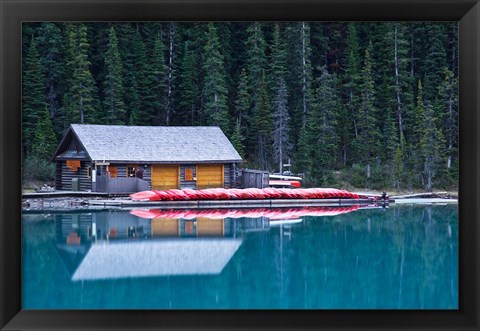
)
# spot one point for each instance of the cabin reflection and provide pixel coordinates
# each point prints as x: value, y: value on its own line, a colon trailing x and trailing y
x: 81, y: 229
x: 110, y: 245
x: 152, y: 243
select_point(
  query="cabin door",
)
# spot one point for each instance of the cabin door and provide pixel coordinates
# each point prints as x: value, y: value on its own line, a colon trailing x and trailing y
x: 209, y: 175
x: 165, y: 177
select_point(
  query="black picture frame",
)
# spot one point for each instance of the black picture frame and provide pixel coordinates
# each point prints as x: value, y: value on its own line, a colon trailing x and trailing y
x: 14, y: 12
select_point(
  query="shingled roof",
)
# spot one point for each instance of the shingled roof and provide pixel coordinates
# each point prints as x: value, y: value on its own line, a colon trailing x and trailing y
x: 164, y: 144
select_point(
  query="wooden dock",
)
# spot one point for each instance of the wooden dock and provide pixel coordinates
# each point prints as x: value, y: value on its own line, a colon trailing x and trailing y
x: 65, y: 194
x: 207, y: 204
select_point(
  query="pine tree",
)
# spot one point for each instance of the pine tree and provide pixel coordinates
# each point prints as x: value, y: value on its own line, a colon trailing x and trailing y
x: 51, y: 51
x: 243, y: 99
x: 216, y: 92
x: 80, y: 102
x: 115, y: 112
x: 237, y: 139
x: 303, y: 156
x: 398, y: 167
x: 256, y: 64
x: 416, y: 152
x: 45, y: 141
x: 402, y: 84
x: 281, y: 119
x: 300, y: 73
x: 137, y: 78
x: 448, y: 101
x: 347, y: 117
x: 431, y: 148
x: 435, y: 63
x: 322, y: 125
x: 33, y: 95
x: 278, y: 60
x: 155, y: 101
x: 368, y: 133
x: 262, y: 122
x: 171, y: 65
x: 189, y: 103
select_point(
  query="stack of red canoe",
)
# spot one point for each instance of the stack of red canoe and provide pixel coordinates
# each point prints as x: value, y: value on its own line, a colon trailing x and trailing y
x: 243, y: 194
x: 273, y: 214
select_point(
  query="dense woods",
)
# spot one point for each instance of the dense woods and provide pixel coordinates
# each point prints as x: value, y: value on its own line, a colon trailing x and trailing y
x: 372, y: 105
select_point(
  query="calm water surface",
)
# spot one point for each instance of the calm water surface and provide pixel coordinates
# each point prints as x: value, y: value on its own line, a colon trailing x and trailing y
x: 405, y: 256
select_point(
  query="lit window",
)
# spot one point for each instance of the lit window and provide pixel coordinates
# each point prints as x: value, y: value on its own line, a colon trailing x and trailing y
x: 131, y: 171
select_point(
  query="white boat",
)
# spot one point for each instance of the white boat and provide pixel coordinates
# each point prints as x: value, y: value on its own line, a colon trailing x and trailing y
x: 284, y: 177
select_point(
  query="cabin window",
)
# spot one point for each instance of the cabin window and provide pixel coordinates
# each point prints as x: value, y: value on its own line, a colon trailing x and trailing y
x: 73, y: 164
x: 188, y: 174
x: 89, y: 172
x: 131, y: 171
x: 113, y: 172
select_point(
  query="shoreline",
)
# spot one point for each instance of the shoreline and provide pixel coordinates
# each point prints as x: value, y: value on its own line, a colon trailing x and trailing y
x: 72, y: 202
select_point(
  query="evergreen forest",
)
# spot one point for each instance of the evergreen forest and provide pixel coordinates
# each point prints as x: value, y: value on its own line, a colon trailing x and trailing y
x: 366, y: 105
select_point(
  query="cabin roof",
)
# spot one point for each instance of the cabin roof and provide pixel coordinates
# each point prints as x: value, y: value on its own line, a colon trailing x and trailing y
x: 150, y: 258
x: 155, y: 143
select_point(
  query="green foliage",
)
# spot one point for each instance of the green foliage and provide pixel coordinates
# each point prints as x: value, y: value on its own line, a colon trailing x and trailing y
x: 322, y: 126
x: 155, y: 102
x: 45, y: 142
x: 51, y: 49
x: 35, y: 168
x: 341, y: 100
x: 80, y: 103
x: 115, y: 112
x: 262, y: 122
x: 216, y: 92
x: 367, y: 142
x: 237, y: 139
x: 33, y: 95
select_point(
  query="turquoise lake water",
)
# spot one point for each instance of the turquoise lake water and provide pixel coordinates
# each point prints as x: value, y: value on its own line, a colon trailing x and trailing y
x: 402, y: 257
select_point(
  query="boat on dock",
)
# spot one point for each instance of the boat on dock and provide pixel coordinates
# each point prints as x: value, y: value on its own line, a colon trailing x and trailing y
x: 283, y: 181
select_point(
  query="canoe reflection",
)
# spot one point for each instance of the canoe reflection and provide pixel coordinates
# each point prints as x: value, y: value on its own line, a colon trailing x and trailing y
x: 271, y: 213
x: 153, y: 243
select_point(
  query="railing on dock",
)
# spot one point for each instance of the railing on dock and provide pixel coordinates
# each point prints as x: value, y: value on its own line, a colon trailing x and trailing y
x: 119, y: 185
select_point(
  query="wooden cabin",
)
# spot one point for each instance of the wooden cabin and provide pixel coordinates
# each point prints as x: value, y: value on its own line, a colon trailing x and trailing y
x: 126, y: 159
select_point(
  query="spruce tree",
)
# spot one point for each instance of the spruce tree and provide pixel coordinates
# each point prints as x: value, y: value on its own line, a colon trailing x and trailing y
x: 189, y: 86
x: 431, y: 148
x: 137, y: 74
x: 262, y: 122
x: 215, y: 89
x: 33, y: 95
x: 242, y: 102
x: 256, y: 64
x: 156, y: 100
x: 45, y: 141
x: 80, y: 101
x: 322, y: 125
x: 347, y: 116
x: 416, y: 160
x: 448, y: 101
x: 281, y: 120
x: 368, y: 132
x: 237, y: 139
x: 115, y: 112
x: 52, y: 56
x: 300, y: 73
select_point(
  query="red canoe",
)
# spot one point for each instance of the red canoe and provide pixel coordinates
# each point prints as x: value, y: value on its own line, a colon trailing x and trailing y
x: 243, y: 194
